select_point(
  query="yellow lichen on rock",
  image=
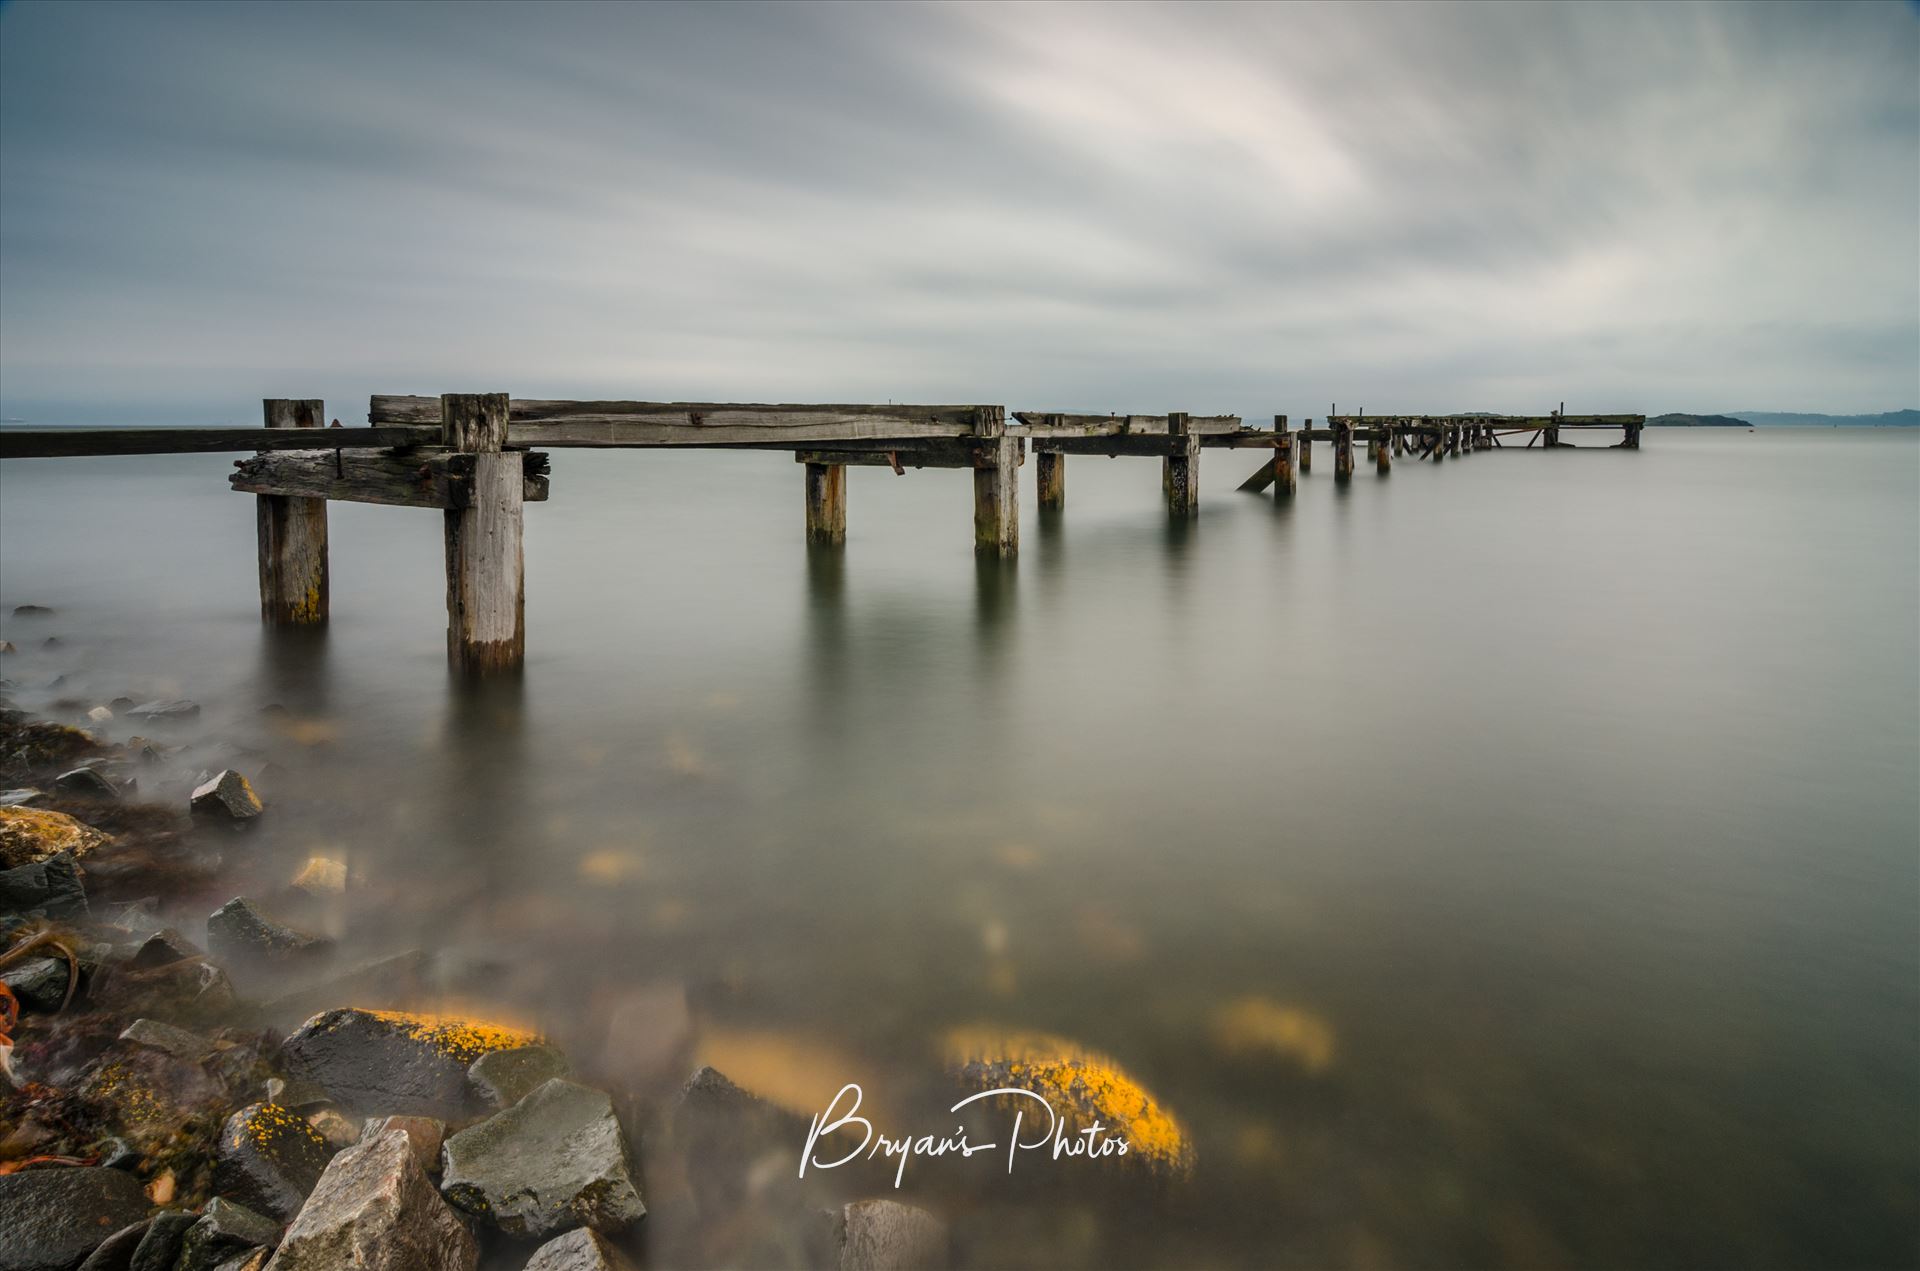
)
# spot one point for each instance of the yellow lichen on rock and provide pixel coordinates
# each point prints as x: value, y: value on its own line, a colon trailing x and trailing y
x: 31, y: 835
x: 1258, y: 1026
x: 456, y: 1036
x: 1082, y: 1087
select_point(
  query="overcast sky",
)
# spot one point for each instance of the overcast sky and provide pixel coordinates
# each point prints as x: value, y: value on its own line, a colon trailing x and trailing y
x: 1246, y: 209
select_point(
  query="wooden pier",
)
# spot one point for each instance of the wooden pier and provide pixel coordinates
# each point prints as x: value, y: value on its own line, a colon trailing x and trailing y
x: 478, y: 459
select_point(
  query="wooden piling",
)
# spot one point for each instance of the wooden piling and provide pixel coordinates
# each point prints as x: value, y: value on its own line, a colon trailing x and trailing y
x: 486, y: 565
x: 1383, y: 448
x: 292, y: 535
x: 996, y: 485
x: 1399, y: 439
x: 1283, y: 482
x: 1342, y: 451
x: 826, y: 504
x: 1050, y: 472
x: 1306, y: 448
x: 1180, y: 470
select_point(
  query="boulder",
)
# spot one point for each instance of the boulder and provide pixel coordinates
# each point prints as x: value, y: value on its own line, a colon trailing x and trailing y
x: 115, y: 1253
x: 50, y: 888
x: 51, y: 1219
x: 381, y: 1063
x: 251, y: 1260
x: 425, y: 1134
x: 504, y: 1077
x: 885, y: 1235
x: 100, y: 714
x: 177, y: 1042
x: 39, y: 983
x: 336, y: 1128
x: 22, y: 797
x: 580, y: 1250
x: 227, y: 796
x: 374, y: 1210
x: 31, y: 835
x: 554, y: 1161
x: 85, y: 783
x: 269, y: 1158
x: 165, y: 710
x: 163, y: 948
x: 160, y: 1247
x: 242, y: 933
x: 225, y: 1230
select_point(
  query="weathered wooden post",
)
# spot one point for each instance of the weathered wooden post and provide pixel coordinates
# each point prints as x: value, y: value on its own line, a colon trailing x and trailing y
x: 1306, y: 447
x: 1382, y: 447
x: 1399, y: 438
x: 1342, y: 450
x: 1283, y: 482
x: 1552, y: 437
x: 486, y: 567
x: 1180, y: 471
x: 1050, y: 472
x: 826, y: 504
x: 996, y: 484
x: 1632, y: 439
x: 293, y: 535
x: 1439, y: 441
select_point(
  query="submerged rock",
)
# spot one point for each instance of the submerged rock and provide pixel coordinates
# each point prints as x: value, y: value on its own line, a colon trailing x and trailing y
x: 374, y: 1210
x: 173, y: 709
x: 270, y: 1158
x: 504, y: 1077
x: 32, y: 611
x: 379, y: 1063
x: 553, y: 1161
x: 227, y: 796
x: 321, y: 877
x: 51, y: 1219
x: 223, y: 1231
x: 723, y: 1131
x: 885, y: 1235
x: 51, y: 889
x: 239, y: 931
x: 31, y: 835
x: 580, y: 1250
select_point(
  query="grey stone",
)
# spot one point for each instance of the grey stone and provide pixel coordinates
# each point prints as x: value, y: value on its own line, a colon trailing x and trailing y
x: 115, y: 1253
x: 296, y: 1094
x: 426, y: 1134
x: 51, y: 888
x: 138, y: 917
x: 86, y: 783
x: 177, y: 1042
x: 251, y: 1260
x: 504, y: 1077
x: 162, y: 948
x: 885, y: 1235
x: 239, y: 931
x: 224, y: 1230
x: 579, y: 1250
x: 374, y: 1210
x: 51, y: 1219
x: 269, y: 1158
x: 39, y: 983
x: 383, y: 1063
x: 553, y: 1161
x: 22, y: 797
x: 227, y: 795
x: 160, y: 710
x: 160, y: 1247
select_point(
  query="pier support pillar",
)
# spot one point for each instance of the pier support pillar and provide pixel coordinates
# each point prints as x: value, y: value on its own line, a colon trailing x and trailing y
x: 826, y: 504
x: 486, y: 566
x: 1342, y: 451
x: 1399, y: 441
x: 1306, y: 449
x: 1632, y: 439
x: 996, y: 497
x: 1180, y: 470
x: 1050, y: 474
x: 1283, y: 482
x: 293, y: 535
x: 1382, y: 451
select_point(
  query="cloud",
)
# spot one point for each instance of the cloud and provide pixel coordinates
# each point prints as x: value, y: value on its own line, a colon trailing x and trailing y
x: 1248, y: 208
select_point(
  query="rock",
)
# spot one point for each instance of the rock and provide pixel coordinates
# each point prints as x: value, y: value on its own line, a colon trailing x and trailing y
x: 85, y: 783
x: 374, y: 1210
x: 32, y: 611
x: 166, y: 1038
x: 53, y: 642
x: 227, y: 796
x: 120, y: 1154
x: 297, y: 1095
x: 6, y: 646
x: 425, y: 1134
x: 378, y: 1063
x: 885, y: 1235
x: 160, y: 1247
x: 723, y: 1131
x: 152, y: 1095
x: 116, y: 1252
x: 100, y: 714
x: 135, y: 917
x: 224, y: 1230
x: 162, y: 948
x: 22, y: 797
x: 251, y: 1260
x: 239, y: 931
x: 164, y: 710
x: 39, y: 983
x: 553, y: 1161
x: 579, y: 1250
x: 504, y: 1077
x: 51, y: 889
x: 321, y: 877
x: 31, y: 835
x: 122, y: 704
x: 51, y: 1219
x: 269, y: 1158
x: 339, y: 1131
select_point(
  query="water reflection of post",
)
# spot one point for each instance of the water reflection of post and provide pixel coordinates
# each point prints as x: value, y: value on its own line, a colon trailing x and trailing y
x: 486, y: 833
x: 995, y: 605
x: 826, y: 633
x: 293, y: 669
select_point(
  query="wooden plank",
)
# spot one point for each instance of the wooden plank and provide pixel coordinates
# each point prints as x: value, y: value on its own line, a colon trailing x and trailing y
x: 1033, y: 423
x: 60, y: 443
x: 291, y: 533
x: 921, y: 453
x: 614, y: 424
x: 415, y: 479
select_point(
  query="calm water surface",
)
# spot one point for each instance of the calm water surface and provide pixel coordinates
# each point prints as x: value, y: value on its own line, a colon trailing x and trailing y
x: 1547, y: 821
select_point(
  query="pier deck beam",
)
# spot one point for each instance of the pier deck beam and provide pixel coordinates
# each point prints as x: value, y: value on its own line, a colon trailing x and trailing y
x: 826, y: 504
x: 486, y: 563
x: 293, y: 536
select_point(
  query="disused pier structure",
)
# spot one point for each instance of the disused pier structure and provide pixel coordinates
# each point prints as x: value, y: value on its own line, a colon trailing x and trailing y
x: 479, y: 458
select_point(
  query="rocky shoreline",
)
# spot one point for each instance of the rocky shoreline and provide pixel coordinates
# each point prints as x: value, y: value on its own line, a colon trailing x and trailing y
x: 156, y: 1116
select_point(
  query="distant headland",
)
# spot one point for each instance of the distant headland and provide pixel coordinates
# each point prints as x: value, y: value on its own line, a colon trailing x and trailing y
x: 1787, y: 419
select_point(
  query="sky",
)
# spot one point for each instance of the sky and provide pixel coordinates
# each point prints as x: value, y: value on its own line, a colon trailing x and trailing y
x: 1241, y: 209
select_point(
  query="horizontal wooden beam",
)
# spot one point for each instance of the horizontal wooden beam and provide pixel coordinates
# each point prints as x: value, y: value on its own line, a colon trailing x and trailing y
x: 60, y: 443
x: 1149, y: 445
x: 605, y: 423
x: 429, y: 479
x: 1036, y: 423
x: 917, y: 453
x: 1498, y: 421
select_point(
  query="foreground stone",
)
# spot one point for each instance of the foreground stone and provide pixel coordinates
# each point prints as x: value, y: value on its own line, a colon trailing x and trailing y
x: 31, y: 835
x: 504, y: 1077
x: 50, y: 889
x: 51, y: 1219
x: 227, y: 796
x: 884, y: 1235
x: 269, y: 1159
x: 581, y: 1250
x: 374, y: 1210
x: 160, y: 1247
x: 425, y: 1134
x: 238, y: 931
x: 116, y: 1251
x: 385, y: 1063
x: 553, y: 1161
x: 224, y: 1230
